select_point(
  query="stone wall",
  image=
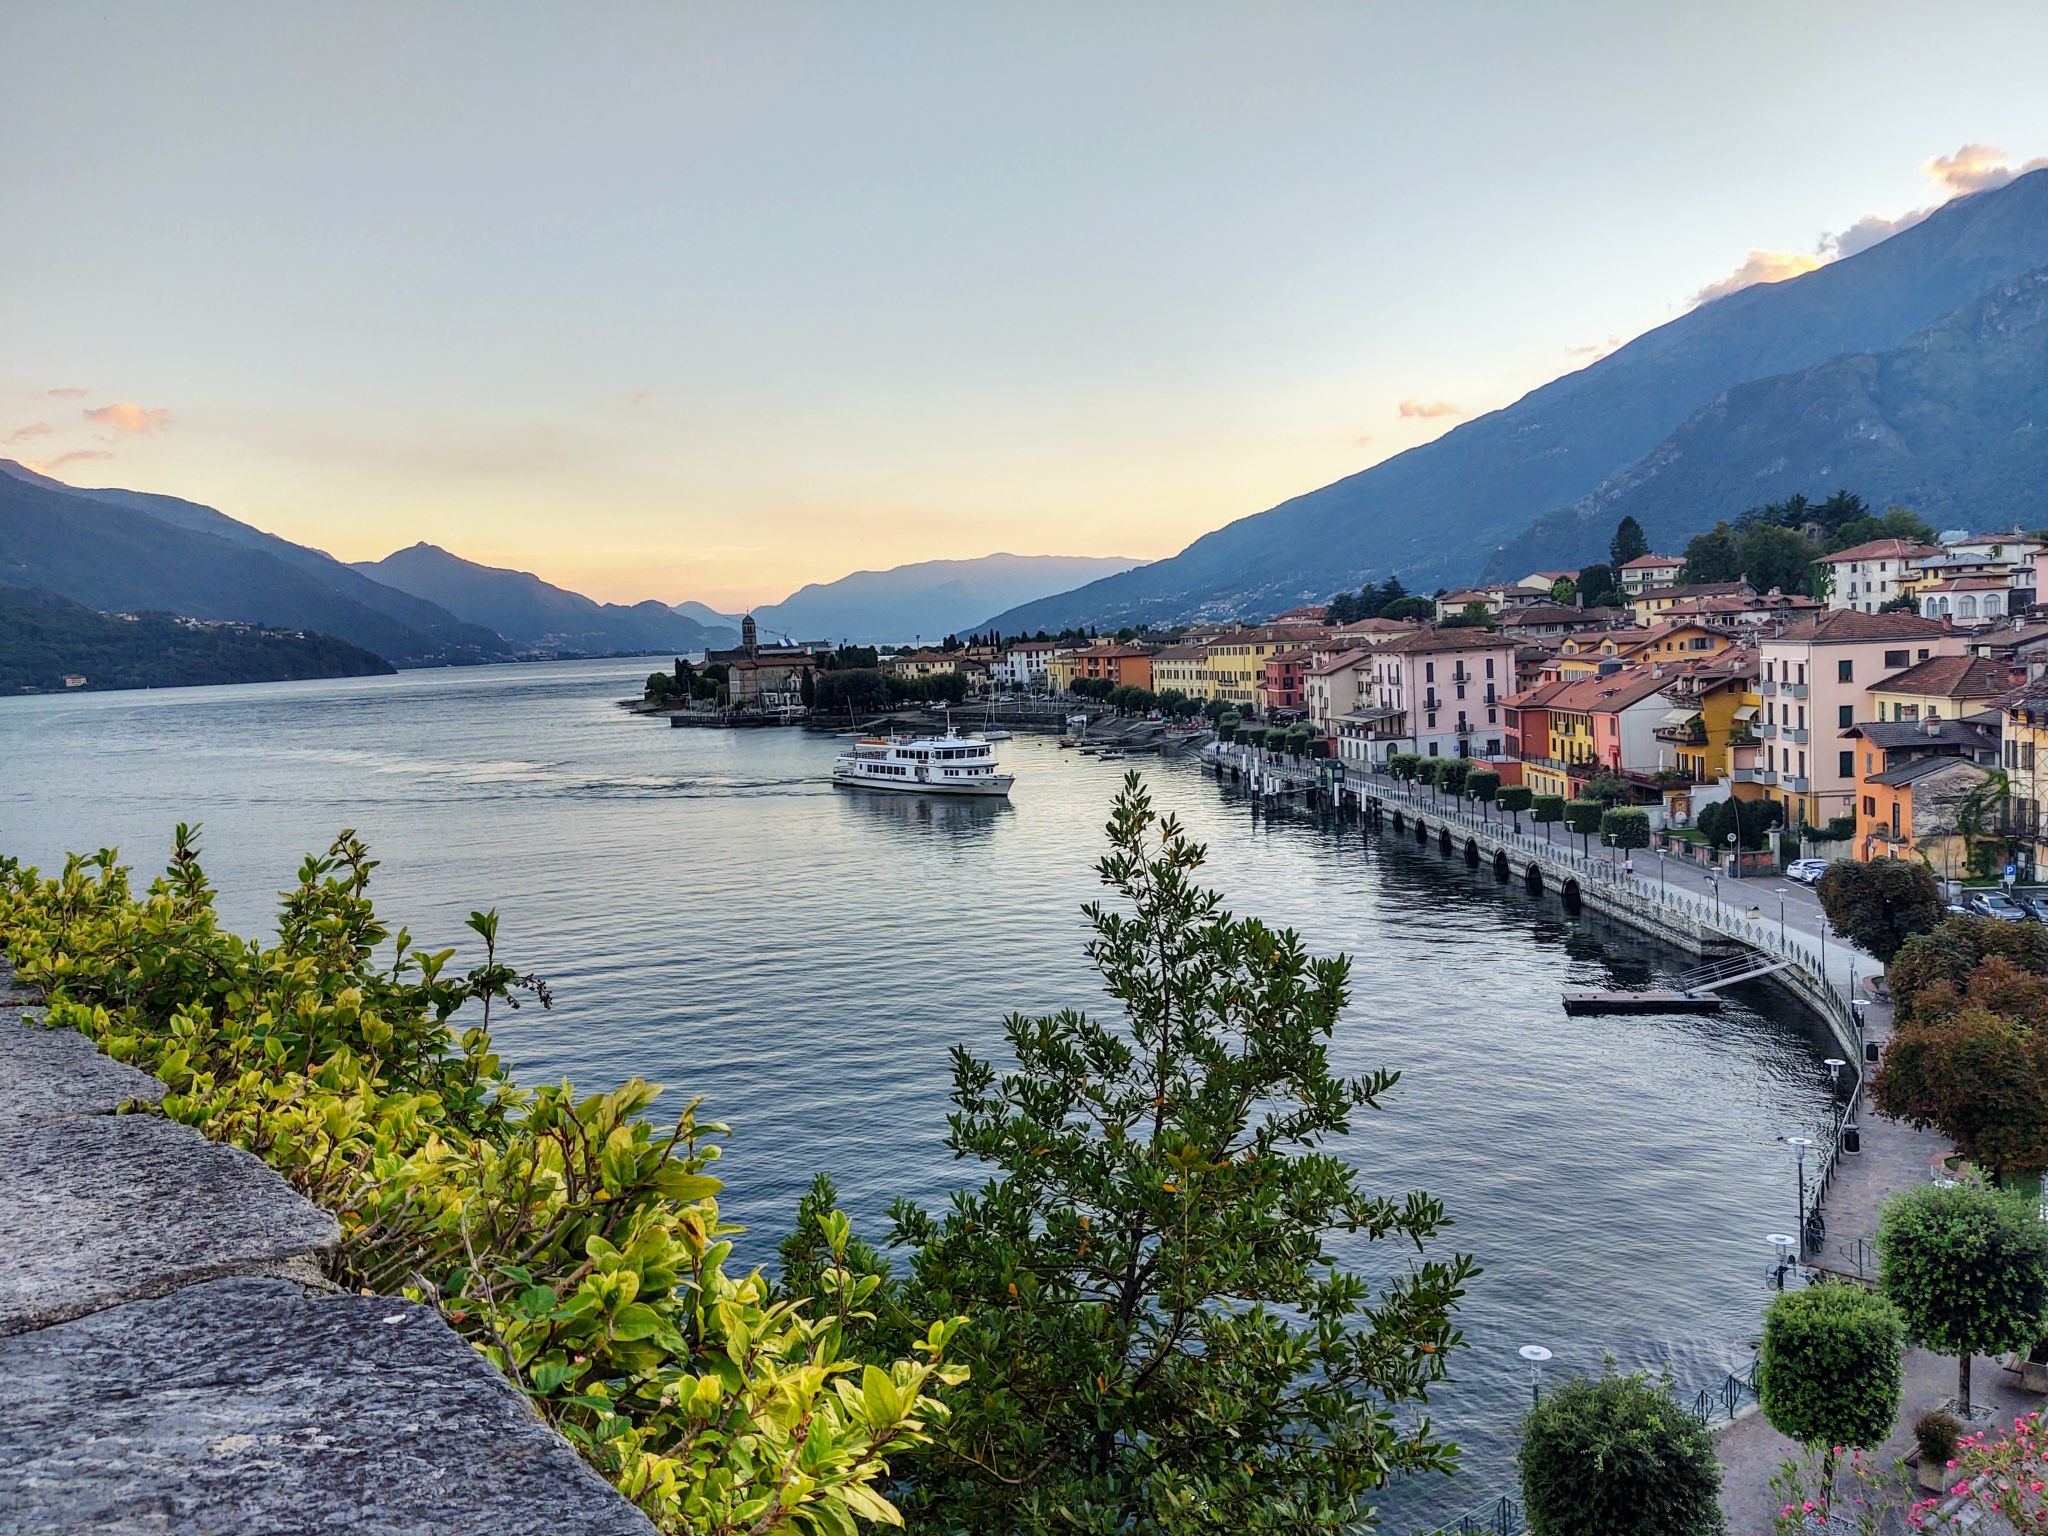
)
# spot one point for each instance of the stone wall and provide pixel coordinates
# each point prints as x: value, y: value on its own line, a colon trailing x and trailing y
x: 173, y: 1362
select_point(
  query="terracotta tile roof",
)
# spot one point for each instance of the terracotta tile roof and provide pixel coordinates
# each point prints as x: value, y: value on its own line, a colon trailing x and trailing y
x: 1952, y: 677
x: 1182, y: 653
x: 1846, y: 624
x: 1651, y: 563
x: 1447, y: 640
x: 1968, y: 584
x: 1883, y: 549
x: 1699, y: 589
x: 1338, y: 661
x: 1615, y: 690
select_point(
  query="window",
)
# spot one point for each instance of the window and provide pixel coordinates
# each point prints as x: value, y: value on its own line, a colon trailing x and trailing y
x: 1925, y: 653
x: 1429, y: 671
x: 1895, y: 658
x: 1870, y: 805
x: 1489, y: 666
x: 1845, y: 671
x: 1432, y: 745
x: 1845, y: 716
x: 1493, y: 746
x: 1847, y: 767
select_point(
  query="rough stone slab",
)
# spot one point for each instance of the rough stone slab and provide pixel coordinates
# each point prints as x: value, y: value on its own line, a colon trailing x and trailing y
x: 50, y: 1074
x: 103, y: 1209
x: 246, y: 1407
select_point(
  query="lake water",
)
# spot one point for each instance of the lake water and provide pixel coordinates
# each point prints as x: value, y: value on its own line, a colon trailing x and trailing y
x: 714, y: 916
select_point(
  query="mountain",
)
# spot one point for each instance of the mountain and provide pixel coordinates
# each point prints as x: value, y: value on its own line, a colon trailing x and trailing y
x: 397, y: 625
x: 1438, y: 512
x: 110, y: 556
x: 46, y: 639
x: 931, y: 599
x: 1953, y: 424
x: 705, y: 614
x: 536, y: 617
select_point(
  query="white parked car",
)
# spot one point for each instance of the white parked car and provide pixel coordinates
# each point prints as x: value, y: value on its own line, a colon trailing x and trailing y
x: 1806, y: 871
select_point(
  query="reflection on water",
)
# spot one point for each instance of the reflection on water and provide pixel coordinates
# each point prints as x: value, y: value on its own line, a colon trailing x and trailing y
x: 716, y: 916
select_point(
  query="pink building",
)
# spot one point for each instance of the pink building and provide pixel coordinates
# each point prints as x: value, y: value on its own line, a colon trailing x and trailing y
x: 1437, y: 692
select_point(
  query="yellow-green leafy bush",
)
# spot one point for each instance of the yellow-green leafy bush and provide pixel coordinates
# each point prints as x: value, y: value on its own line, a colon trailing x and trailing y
x: 574, y: 1241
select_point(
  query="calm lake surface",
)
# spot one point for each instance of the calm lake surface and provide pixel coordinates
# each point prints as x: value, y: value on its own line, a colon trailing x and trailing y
x: 716, y: 917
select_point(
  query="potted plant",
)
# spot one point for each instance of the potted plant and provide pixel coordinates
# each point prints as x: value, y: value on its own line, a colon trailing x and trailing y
x: 1934, y: 1448
x: 2033, y: 1370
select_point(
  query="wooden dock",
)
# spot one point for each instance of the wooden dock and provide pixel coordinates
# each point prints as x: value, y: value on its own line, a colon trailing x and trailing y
x: 1641, y: 1002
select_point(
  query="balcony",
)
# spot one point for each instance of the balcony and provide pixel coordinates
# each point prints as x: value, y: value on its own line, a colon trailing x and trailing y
x: 1797, y: 786
x: 1692, y: 734
x: 1767, y: 687
x: 1748, y: 776
x: 1766, y: 730
x: 1795, y: 690
x: 1797, y: 735
x: 1763, y: 776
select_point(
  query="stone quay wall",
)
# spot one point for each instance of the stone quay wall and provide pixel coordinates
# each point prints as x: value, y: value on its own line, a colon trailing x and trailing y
x: 174, y: 1362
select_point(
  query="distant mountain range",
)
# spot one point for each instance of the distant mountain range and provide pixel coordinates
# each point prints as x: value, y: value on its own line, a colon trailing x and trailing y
x: 1443, y: 512
x: 1953, y: 424
x: 127, y: 552
x: 538, y: 617
x: 930, y: 599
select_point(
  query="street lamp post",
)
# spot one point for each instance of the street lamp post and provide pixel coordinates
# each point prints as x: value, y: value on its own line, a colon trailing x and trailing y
x: 1660, y: 874
x: 1834, y: 1064
x: 1799, y: 1144
x: 1781, y: 918
x: 1714, y: 884
x: 1734, y: 858
x: 1535, y: 1354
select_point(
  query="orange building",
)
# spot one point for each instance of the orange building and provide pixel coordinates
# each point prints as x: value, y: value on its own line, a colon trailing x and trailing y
x: 1126, y: 666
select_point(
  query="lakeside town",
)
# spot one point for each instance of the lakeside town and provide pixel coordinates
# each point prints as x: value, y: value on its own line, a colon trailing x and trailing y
x: 1897, y: 716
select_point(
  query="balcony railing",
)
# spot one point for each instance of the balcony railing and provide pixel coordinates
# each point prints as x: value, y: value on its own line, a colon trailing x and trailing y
x: 1796, y: 734
x: 1797, y: 786
x: 1766, y: 729
x: 1767, y: 687
x: 1684, y: 735
x: 1795, y: 690
x: 1763, y: 776
x: 1747, y: 776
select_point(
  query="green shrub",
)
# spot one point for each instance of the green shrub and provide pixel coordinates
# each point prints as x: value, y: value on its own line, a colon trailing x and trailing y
x: 573, y: 1240
x: 1404, y: 765
x: 1625, y: 826
x: 1830, y: 1369
x: 1617, y: 1457
x: 1935, y: 1434
x: 1483, y: 785
x: 1515, y: 799
x: 1546, y: 808
x: 1967, y: 1267
x: 1452, y: 772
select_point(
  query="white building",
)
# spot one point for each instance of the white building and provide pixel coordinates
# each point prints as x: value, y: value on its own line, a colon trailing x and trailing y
x: 1022, y: 666
x: 1867, y: 576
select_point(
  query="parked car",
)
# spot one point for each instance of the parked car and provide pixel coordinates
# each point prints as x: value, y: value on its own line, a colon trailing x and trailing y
x: 1995, y: 904
x: 1806, y: 871
x: 2033, y: 903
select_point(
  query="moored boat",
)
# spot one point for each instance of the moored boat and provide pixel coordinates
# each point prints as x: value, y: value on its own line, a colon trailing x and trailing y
x: 951, y: 764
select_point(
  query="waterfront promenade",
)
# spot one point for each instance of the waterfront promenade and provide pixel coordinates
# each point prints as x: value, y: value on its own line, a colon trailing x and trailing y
x: 1706, y: 913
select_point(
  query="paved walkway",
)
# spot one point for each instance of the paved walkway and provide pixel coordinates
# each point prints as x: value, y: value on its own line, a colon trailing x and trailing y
x: 1893, y: 1157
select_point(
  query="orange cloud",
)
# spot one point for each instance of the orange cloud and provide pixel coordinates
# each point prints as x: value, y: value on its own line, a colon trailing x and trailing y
x: 1413, y: 408
x: 1758, y: 267
x: 33, y: 429
x: 127, y: 416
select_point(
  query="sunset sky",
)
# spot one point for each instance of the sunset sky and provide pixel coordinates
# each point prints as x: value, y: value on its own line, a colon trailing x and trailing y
x: 708, y: 301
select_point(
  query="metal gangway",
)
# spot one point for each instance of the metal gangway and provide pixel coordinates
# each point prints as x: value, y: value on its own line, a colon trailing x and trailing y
x: 1716, y: 974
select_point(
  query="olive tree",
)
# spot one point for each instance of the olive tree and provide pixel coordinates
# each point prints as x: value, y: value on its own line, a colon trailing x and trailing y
x: 1616, y: 1456
x: 1967, y: 1267
x: 1830, y: 1371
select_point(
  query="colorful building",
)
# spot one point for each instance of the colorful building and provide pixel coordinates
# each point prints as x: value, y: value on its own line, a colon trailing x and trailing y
x: 1867, y: 576
x: 1908, y: 803
x: 1651, y: 601
x: 1122, y: 666
x: 1238, y: 657
x: 1942, y: 688
x: 1647, y: 572
x: 1185, y: 668
x: 1816, y: 674
x: 1436, y: 692
x: 1285, y: 685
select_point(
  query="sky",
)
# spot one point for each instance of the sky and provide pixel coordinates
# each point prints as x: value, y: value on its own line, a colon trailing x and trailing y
x: 708, y: 301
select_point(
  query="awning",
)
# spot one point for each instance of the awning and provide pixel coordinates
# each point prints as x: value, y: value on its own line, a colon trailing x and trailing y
x: 1747, y: 712
x: 1680, y: 717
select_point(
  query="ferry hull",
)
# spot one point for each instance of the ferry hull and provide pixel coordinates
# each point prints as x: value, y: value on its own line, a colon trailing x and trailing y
x: 995, y: 787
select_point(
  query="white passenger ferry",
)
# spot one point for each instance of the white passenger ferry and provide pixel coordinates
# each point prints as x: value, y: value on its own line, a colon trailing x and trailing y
x: 951, y: 764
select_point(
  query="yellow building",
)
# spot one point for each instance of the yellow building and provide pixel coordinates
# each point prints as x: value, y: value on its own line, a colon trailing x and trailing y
x: 1648, y: 604
x: 1714, y: 709
x: 1061, y: 668
x: 1185, y: 667
x: 1941, y: 688
x: 1667, y: 644
x: 2023, y: 753
x: 1237, y: 659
